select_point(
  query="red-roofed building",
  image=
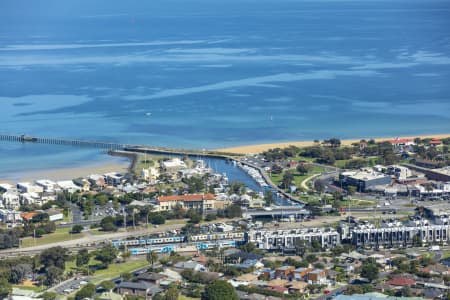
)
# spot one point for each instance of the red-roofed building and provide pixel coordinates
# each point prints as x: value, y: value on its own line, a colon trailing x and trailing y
x: 398, y: 142
x: 280, y: 289
x: 191, y: 201
x: 27, y: 216
x: 435, y: 142
x: 401, y: 281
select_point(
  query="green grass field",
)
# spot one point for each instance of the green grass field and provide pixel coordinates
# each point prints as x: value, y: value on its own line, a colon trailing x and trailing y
x: 115, y: 270
x: 60, y: 235
x: 298, y: 179
x: 36, y: 289
x: 371, y: 161
x: 112, y: 271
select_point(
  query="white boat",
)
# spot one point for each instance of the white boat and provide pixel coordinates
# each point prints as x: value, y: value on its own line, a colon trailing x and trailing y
x: 148, y: 113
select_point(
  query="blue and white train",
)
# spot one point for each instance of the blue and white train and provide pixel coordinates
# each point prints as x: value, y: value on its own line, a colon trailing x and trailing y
x: 148, y: 241
x: 179, y: 239
x: 178, y: 247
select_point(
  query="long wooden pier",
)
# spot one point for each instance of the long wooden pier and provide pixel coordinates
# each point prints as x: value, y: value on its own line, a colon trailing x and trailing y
x: 108, y: 146
x: 59, y: 141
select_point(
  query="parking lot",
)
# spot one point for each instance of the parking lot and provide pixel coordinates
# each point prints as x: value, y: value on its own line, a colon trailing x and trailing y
x: 71, y: 285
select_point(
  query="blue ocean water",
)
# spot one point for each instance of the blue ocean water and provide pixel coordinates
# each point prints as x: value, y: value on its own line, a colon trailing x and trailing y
x: 210, y: 74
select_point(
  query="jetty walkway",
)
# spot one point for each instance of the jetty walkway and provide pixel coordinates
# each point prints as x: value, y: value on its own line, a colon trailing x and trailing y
x: 110, y: 146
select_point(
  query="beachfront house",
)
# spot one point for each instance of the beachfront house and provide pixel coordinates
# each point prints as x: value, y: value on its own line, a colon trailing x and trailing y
x: 27, y: 187
x: 10, y: 218
x: 10, y: 199
x: 48, y: 186
x: 83, y: 183
x: 68, y: 186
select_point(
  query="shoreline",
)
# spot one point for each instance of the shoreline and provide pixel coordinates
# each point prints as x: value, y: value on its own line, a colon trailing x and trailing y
x: 70, y: 172
x: 258, y: 148
x: 130, y: 160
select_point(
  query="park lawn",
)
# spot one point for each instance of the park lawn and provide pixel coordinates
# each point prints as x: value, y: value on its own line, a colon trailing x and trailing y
x: 114, y: 270
x: 371, y: 161
x: 298, y: 178
x: 36, y: 289
x: 141, y: 164
x: 358, y: 203
x: 173, y: 222
x: 304, y: 158
x: 97, y: 231
x: 60, y: 235
x: 276, y: 178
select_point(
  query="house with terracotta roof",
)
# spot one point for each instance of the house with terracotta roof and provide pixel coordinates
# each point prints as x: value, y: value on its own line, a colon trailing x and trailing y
x: 435, y: 142
x: 400, y: 143
x: 190, y: 201
x: 401, y: 281
x: 280, y: 289
x: 27, y: 216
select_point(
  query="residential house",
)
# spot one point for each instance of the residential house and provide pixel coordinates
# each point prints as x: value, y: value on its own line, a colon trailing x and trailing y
x: 317, y: 276
x: 54, y: 215
x: 48, y: 186
x: 114, y: 178
x: 280, y: 289
x: 277, y: 282
x: 284, y: 272
x: 244, y: 279
x: 250, y: 264
x: 4, y: 187
x: 436, y: 269
x: 10, y: 199
x: 401, y: 282
x: 190, y: 265
x: 68, y: 186
x: 300, y: 274
x: 172, y: 275
x: 28, y: 216
x: 348, y: 268
x: 10, y: 217
x: 97, y: 180
x: 139, y: 289
x: 27, y: 187
x: 150, y: 277
x: 83, y: 183
x: 297, y: 286
x: 269, y: 273
x: 31, y: 198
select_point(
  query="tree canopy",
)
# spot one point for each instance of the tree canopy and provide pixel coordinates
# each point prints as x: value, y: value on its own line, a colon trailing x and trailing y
x: 219, y: 290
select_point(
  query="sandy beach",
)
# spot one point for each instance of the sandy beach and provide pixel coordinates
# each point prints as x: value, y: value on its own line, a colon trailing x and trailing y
x: 71, y: 173
x: 254, y: 149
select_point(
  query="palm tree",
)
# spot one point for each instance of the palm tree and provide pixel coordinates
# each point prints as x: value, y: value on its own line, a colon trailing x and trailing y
x: 152, y: 257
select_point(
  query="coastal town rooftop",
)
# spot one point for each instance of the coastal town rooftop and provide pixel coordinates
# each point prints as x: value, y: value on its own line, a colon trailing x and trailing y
x: 186, y: 198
